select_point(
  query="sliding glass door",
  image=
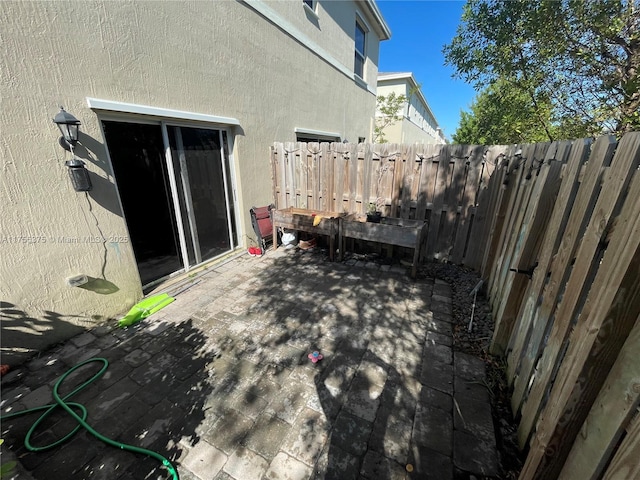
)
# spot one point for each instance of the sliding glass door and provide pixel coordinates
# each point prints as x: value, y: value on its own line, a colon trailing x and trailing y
x: 175, y: 188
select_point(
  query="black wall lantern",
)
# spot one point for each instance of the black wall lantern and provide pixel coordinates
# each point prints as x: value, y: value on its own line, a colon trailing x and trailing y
x: 69, y: 127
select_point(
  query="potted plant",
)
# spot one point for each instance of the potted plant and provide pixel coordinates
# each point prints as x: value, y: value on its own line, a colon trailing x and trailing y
x: 374, y: 215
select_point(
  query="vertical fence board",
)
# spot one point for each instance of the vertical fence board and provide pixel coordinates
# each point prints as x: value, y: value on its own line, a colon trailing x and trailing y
x: 304, y: 176
x: 340, y: 159
x: 313, y: 152
x: 326, y: 166
x: 539, y: 219
x: 625, y: 463
x: 612, y: 411
x: 416, y: 177
x: 409, y: 161
x: 454, y: 187
x: 396, y: 156
x: 507, y: 213
x: 290, y: 179
x: 467, y: 201
x: 442, y: 179
x: 534, y: 221
x: 354, y: 154
x: 532, y: 154
x: 625, y: 161
x: 497, y: 185
x: 425, y: 195
x: 559, y: 217
x: 366, y: 177
x: 517, y: 208
x: 274, y: 174
x: 298, y: 166
x: 608, y: 315
x: 282, y: 165
x: 484, y: 197
x: 382, y: 180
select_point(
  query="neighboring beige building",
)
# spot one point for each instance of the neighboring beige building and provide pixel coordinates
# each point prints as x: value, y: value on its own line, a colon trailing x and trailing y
x: 179, y: 103
x: 419, y: 124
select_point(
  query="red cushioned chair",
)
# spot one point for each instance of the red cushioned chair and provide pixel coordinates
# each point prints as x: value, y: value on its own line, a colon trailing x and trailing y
x: 262, y: 226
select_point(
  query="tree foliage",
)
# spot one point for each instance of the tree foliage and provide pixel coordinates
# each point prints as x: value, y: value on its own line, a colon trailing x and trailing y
x: 580, y: 57
x: 389, y: 108
x: 502, y: 114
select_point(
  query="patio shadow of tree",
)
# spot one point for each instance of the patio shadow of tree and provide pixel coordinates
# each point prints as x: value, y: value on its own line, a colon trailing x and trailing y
x: 152, y: 395
x: 376, y: 446
x: 366, y: 385
x: 22, y: 333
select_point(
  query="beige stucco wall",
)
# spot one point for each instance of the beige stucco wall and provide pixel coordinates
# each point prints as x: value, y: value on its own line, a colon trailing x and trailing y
x: 218, y: 58
x: 417, y: 125
x: 333, y: 27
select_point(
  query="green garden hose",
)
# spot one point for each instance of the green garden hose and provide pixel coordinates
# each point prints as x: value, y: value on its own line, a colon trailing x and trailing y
x: 68, y: 407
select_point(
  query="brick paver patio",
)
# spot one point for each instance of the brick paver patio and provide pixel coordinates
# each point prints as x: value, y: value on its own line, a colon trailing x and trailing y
x: 219, y: 382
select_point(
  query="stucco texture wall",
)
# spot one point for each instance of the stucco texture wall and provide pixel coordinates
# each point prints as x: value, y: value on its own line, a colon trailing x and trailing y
x: 218, y: 58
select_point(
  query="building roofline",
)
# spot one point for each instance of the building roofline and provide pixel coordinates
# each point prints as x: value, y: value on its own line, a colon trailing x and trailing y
x: 394, y: 75
x: 377, y: 16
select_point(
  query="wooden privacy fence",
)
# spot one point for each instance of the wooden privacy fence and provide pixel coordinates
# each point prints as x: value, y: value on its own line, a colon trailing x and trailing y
x: 569, y: 325
x: 554, y: 229
x: 437, y: 183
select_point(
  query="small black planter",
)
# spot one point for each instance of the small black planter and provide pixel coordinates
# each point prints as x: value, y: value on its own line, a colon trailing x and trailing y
x: 374, y: 217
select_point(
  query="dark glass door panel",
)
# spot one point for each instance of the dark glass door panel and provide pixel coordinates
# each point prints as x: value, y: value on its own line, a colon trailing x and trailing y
x: 140, y: 169
x: 199, y: 165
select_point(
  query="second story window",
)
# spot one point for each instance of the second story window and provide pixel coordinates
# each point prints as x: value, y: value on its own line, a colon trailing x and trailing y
x: 361, y: 34
x: 309, y: 3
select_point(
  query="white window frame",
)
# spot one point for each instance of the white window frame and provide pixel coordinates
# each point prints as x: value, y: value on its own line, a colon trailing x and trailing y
x: 362, y: 55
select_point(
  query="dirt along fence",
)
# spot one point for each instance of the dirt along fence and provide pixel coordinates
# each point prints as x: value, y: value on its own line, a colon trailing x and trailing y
x: 554, y: 230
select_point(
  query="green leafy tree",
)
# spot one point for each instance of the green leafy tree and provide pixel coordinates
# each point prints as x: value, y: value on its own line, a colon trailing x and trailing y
x: 501, y: 114
x: 582, y: 57
x: 389, y: 108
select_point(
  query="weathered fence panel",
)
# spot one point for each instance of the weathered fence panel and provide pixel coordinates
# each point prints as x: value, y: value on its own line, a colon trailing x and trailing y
x: 611, y: 413
x: 528, y: 332
x: 440, y: 184
x: 625, y: 463
x: 575, y: 382
x: 598, y: 304
x: 532, y: 230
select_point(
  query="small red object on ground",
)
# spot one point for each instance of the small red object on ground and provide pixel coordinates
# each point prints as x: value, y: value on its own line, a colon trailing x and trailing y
x: 4, y: 369
x: 255, y: 251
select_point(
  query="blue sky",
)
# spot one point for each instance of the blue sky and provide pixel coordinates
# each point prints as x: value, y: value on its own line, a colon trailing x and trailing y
x: 419, y: 29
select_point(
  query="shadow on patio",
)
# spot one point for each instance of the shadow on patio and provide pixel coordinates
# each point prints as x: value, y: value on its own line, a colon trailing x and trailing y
x: 220, y: 383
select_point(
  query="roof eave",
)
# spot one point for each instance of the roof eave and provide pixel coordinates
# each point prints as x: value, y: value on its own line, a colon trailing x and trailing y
x: 385, y: 31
